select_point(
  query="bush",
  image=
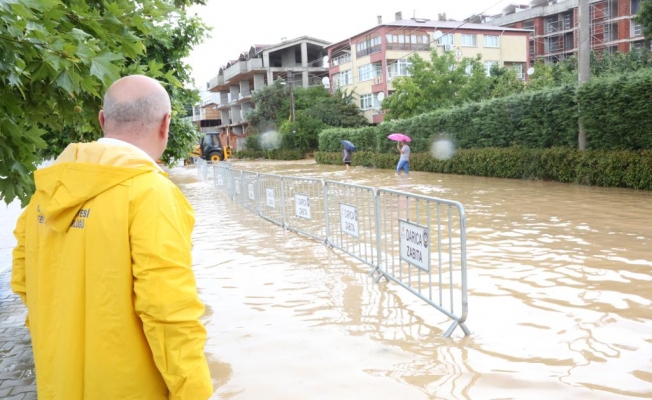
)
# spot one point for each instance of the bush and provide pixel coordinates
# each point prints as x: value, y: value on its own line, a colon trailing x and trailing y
x: 270, y: 154
x: 624, y: 168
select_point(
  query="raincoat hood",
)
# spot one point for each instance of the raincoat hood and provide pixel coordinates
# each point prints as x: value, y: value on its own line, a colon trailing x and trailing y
x: 83, y: 171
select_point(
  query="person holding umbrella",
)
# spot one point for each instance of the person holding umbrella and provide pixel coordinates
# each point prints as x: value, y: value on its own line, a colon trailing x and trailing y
x: 404, y: 160
x: 348, y: 149
x: 347, y: 158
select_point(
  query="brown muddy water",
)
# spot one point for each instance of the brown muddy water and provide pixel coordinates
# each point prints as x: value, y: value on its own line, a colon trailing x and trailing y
x: 560, y: 297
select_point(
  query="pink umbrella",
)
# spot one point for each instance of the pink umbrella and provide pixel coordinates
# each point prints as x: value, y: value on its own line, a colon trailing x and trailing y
x: 397, y: 137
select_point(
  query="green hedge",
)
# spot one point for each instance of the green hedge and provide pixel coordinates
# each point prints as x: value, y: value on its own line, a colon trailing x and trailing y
x: 270, y: 154
x: 623, y: 168
x: 616, y: 111
x: 535, y: 120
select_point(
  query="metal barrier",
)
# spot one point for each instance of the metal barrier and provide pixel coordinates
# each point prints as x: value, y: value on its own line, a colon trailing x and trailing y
x: 303, y: 202
x: 417, y: 241
x: 202, y: 169
x: 422, y: 247
x: 272, y: 198
x: 352, y: 220
x: 251, y: 199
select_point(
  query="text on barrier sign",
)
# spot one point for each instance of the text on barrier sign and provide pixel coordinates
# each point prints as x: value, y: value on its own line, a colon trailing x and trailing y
x: 413, y: 240
x: 251, y: 192
x: 349, y: 219
x: 302, y: 206
x: 269, y: 194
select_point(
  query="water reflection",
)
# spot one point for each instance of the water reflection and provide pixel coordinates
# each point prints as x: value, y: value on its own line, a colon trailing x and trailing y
x: 559, y: 290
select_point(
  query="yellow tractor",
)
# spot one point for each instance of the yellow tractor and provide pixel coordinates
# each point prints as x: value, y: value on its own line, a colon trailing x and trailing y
x: 210, y: 149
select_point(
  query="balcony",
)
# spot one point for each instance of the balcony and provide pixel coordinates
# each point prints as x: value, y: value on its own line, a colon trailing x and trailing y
x: 346, y: 58
x: 217, y: 81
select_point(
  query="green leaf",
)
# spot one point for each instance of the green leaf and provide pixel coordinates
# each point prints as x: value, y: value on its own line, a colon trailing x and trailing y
x: 64, y: 81
x: 102, y: 68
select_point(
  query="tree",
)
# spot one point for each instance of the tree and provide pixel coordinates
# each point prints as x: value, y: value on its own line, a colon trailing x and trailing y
x: 443, y: 82
x: 315, y: 110
x: 56, y: 60
x: 272, y: 104
x: 644, y: 18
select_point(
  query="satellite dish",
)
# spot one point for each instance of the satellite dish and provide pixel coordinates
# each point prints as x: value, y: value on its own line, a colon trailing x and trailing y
x: 381, y: 96
x: 325, y: 60
x: 325, y: 80
x: 468, y: 69
x: 437, y: 35
x: 530, y: 71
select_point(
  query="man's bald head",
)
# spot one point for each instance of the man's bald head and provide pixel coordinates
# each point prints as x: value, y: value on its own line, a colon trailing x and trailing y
x: 137, y: 110
x: 134, y: 105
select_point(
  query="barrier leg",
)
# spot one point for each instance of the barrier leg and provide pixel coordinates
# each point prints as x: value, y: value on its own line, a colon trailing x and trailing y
x: 454, y: 325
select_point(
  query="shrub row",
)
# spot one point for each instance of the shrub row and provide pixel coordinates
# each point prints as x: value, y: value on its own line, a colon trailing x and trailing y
x: 621, y: 168
x: 270, y: 154
x: 616, y: 112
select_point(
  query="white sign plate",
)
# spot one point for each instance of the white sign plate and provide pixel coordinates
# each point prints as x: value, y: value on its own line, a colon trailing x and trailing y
x: 415, y: 248
x: 270, y: 197
x: 302, y: 206
x: 220, y: 180
x: 349, y: 219
x: 237, y: 187
x: 251, y: 192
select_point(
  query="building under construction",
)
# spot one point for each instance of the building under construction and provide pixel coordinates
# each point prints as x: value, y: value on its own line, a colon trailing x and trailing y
x: 555, y: 31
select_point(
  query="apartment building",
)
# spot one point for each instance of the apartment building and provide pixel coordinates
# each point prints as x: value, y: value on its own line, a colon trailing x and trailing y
x: 205, y: 115
x: 367, y: 62
x: 554, y: 26
x: 298, y: 62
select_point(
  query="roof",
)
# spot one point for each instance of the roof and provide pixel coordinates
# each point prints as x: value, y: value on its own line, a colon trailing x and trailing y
x: 300, y: 39
x: 445, y: 26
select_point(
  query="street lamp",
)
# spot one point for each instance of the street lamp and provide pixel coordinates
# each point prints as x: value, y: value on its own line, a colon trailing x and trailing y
x: 291, y: 79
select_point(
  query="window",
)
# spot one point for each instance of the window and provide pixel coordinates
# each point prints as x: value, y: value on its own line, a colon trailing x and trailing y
x: 490, y: 41
x: 518, y: 68
x: 368, y: 46
x: 407, y: 42
x: 365, y: 73
x: 469, y: 40
x: 635, y: 6
x: 366, y: 101
x: 488, y: 65
x: 346, y: 78
x: 447, y: 39
x: 400, y: 68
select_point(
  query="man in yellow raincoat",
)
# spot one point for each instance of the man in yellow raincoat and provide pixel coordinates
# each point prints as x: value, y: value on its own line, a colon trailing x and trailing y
x: 103, y: 263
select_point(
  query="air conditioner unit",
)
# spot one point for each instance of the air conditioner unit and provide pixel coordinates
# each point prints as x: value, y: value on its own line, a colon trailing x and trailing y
x: 448, y: 47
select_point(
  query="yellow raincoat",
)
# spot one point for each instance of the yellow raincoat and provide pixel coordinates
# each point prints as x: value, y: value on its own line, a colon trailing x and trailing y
x: 103, y: 265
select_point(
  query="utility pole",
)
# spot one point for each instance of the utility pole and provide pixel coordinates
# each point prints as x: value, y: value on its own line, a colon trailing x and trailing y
x: 291, y: 82
x: 584, y: 56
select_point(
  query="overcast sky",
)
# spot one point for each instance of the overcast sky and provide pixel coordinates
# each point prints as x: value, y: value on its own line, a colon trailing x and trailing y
x: 239, y: 24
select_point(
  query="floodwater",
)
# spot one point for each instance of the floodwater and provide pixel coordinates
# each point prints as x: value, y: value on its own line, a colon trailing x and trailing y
x: 560, y: 297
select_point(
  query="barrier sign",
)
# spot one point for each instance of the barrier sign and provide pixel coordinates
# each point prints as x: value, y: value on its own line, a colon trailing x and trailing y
x: 251, y: 192
x: 413, y: 241
x: 237, y: 187
x: 220, y: 180
x: 270, y: 197
x: 349, y: 219
x: 302, y: 206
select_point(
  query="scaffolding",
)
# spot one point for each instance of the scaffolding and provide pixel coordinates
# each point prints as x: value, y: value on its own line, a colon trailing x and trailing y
x: 604, y: 25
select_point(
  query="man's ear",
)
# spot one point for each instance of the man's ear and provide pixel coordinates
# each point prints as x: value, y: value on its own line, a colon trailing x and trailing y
x: 164, y: 129
x: 101, y: 118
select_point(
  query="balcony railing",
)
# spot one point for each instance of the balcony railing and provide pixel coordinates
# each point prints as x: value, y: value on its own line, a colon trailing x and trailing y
x: 408, y: 46
x: 346, y: 58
